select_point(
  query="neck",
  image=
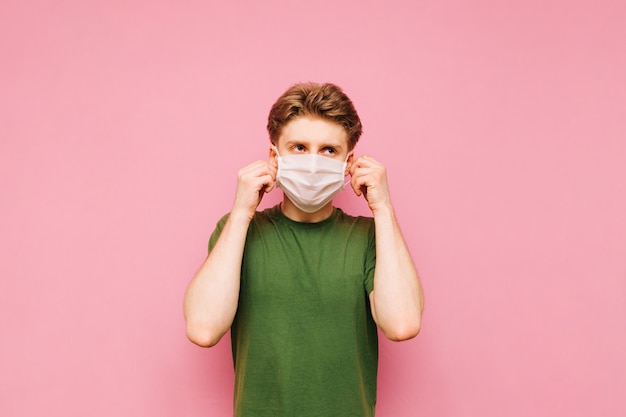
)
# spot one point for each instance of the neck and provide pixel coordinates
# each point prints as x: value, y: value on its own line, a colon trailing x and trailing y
x: 295, y: 214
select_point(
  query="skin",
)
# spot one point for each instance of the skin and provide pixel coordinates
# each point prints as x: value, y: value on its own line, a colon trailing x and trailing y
x: 397, y: 301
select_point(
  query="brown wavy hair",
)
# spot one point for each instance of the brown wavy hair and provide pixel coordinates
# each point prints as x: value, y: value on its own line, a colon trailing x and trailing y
x: 327, y: 101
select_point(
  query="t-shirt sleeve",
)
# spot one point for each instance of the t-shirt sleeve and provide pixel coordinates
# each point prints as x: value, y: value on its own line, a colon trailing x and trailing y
x: 370, y: 259
x: 217, y: 232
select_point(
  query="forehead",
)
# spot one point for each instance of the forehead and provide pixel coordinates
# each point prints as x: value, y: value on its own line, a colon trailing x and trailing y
x: 314, y: 130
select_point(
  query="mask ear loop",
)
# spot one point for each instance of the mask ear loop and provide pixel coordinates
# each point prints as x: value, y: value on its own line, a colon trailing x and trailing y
x: 279, y: 167
x: 345, y: 165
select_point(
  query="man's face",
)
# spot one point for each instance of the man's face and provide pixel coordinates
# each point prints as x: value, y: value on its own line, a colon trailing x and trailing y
x: 313, y: 135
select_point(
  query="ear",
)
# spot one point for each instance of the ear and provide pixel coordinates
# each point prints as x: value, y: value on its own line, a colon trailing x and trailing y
x: 349, y: 162
x: 273, y: 157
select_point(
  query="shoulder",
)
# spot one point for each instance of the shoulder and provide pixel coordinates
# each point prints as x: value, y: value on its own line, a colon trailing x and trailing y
x: 264, y: 216
x: 361, y: 227
x: 259, y: 225
x: 222, y: 221
x: 268, y: 216
x: 358, y: 221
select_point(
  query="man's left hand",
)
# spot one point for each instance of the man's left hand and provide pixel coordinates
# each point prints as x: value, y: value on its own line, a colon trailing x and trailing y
x: 369, y: 178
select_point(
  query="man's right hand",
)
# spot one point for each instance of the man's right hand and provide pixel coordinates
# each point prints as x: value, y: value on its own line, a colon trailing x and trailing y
x: 253, y: 181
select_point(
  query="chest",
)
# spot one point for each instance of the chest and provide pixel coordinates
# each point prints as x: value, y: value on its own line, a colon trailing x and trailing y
x: 305, y: 270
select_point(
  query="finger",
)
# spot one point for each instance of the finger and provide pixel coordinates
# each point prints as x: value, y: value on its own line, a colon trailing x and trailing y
x: 363, y: 162
x: 272, y: 169
x: 264, y: 181
x: 360, y: 183
x: 356, y: 189
x: 269, y: 183
x: 360, y: 174
x: 256, y: 170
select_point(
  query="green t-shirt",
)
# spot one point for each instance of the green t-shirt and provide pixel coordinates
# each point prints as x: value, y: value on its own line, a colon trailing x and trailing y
x: 304, y: 342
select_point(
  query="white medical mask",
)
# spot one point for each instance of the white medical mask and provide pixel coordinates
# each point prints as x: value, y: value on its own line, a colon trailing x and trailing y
x: 310, y: 181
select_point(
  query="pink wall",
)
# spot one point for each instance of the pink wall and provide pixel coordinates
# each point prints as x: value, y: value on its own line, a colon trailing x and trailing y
x: 123, y: 123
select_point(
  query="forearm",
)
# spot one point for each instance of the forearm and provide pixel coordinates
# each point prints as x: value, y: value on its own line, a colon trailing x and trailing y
x: 212, y: 296
x: 397, y: 300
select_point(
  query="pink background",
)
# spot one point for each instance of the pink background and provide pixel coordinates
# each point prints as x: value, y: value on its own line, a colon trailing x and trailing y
x: 502, y: 123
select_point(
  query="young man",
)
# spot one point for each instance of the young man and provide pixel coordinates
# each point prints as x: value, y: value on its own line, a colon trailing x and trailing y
x: 302, y: 286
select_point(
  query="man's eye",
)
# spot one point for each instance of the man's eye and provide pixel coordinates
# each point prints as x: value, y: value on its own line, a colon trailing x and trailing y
x: 330, y: 151
x: 299, y: 148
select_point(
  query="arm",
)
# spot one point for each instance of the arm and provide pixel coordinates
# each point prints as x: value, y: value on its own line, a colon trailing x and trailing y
x: 397, y: 300
x: 212, y: 296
